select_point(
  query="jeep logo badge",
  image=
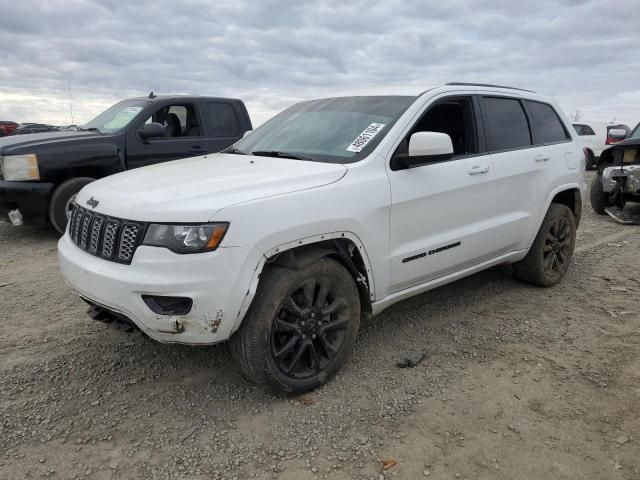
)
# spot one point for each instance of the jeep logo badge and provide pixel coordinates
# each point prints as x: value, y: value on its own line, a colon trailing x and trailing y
x: 92, y: 202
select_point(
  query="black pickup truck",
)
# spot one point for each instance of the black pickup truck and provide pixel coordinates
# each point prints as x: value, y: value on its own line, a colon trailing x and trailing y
x: 41, y: 173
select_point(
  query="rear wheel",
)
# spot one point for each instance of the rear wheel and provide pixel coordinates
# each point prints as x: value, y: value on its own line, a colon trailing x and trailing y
x: 61, y: 202
x: 599, y: 199
x: 301, y: 327
x: 590, y: 160
x: 550, y: 255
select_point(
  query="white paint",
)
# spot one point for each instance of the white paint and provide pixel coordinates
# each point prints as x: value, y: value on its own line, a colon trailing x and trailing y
x: 493, y: 204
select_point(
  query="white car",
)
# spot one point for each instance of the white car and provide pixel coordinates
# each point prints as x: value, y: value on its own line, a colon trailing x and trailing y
x: 332, y: 210
x: 598, y: 136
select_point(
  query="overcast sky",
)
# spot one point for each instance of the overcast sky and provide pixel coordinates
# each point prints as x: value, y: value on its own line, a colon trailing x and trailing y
x: 272, y: 53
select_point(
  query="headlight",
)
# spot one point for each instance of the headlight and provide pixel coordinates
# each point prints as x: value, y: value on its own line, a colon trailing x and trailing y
x: 17, y: 168
x: 186, y: 238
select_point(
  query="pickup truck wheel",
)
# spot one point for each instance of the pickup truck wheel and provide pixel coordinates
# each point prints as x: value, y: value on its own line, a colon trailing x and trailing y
x: 590, y: 160
x: 599, y: 199
x: 301, y: 327
x: 552, y: 250
x: 62, y: 199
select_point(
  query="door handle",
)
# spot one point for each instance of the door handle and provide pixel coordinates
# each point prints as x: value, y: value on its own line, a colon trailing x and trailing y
x: 478, y: 169
x: 197, y: 149
x: 542, y: 158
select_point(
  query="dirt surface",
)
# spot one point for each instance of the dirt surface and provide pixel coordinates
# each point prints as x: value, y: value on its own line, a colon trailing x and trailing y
x: 518, y: 383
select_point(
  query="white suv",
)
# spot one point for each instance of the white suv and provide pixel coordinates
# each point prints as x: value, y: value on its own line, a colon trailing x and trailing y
x: 599, y: 136
x: 334, y: 209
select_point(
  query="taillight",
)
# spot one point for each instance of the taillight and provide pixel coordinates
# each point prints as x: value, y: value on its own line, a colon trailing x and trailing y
x: 611, y: 141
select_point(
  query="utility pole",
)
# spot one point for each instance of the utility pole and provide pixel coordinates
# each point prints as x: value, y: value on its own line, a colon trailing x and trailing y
x: 576, y: 115
x: 70, y: 104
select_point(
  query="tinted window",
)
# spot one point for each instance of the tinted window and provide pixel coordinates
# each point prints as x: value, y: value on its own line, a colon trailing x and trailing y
x: 583, y: 129
x: 508, y: 127
x: 453, y: 116
x: 547, y: 127
x: 223, y: 120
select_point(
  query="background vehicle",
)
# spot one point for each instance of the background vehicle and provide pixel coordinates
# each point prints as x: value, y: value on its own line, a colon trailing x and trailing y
x: 26, y: 128
x: 42, y: 173
x: 333, y: 209
x: 596, y: 138
x: 618, y: 181
x: 7, y: 127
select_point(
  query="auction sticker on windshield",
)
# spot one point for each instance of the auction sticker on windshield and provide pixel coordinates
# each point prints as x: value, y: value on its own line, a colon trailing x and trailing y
x: 365, y: 137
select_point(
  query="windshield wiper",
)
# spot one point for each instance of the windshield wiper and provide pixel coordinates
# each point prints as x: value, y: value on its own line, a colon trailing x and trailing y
x: 278, y: 154
x: 90, y: 129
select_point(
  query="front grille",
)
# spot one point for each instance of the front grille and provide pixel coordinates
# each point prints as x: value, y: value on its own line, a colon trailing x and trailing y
x: 110, y: 238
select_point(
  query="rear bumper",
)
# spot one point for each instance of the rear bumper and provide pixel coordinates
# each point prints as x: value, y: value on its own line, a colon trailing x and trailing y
x: 31, y: 198
x: 217, y: 282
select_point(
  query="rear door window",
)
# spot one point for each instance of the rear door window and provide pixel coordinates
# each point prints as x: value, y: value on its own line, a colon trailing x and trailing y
x: 583, y: 130
x: 545, y: 123
x: 507, y: 124
x: 223, y: 120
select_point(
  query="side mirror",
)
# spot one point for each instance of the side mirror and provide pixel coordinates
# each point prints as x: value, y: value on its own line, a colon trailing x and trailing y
x: 424, y: 147
x: 617, y: 133
x: 151, y: 130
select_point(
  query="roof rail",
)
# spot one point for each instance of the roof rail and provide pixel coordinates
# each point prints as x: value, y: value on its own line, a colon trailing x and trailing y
x: 463, y: 84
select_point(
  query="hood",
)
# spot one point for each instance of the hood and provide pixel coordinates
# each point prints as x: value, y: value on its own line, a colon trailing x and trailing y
x: 23, y: 143
x: 194, y: 189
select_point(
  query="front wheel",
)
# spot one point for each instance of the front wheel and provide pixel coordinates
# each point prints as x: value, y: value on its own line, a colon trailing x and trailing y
x: 550, y: 255
x: 61, y: 202
x: 301, y: 327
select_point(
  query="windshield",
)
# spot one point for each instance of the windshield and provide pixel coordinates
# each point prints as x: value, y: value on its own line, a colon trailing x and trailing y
x: 635, y: 133
x: 334, y: 130
x: 116, y: 117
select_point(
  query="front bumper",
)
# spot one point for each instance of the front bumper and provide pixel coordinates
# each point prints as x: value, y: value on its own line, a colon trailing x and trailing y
x: 218, y: 282
x: 627, y: 177
x: 31, y: 198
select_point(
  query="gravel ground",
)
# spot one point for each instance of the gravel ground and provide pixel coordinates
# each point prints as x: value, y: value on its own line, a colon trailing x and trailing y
x: 518, y: 382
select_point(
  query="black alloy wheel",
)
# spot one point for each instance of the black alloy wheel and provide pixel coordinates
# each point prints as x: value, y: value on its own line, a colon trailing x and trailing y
x: 549, y: 257
x: 309, y: 328
x: 300, y: 328
x: 558, y: 246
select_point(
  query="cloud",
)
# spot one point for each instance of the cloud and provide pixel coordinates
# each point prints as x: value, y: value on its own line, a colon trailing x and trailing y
x: 274, y: 52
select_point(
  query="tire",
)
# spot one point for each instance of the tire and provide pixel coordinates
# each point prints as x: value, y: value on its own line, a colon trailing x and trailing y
x: 590, y: 160
x: 550, y: 255
x: 290, y: 344
x: 599, y: 199
x: 61, y: 201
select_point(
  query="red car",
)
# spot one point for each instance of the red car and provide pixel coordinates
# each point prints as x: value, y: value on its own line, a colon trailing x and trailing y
x: 7, y: 128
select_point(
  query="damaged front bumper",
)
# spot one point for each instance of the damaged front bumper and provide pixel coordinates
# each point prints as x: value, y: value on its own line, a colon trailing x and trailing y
x: 217, y: 283
x: 625, y: 178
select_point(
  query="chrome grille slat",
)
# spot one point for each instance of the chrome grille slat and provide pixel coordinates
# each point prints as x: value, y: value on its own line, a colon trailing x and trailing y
x: 110, y: 238
x: 76, y: 225
x: 127, y: 241
x: 96, y: 230
x: 84, y: 230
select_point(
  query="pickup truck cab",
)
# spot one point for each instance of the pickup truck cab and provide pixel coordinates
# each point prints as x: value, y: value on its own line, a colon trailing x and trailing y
x: 41, y: 173
x: 333, y: 210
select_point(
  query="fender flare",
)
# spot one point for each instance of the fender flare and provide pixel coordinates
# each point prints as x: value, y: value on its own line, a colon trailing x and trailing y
x: 552, y: 195
x: 306, y: 257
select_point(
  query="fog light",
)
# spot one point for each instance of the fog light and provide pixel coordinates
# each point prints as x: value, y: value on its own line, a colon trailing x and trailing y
x: 168, y: 305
